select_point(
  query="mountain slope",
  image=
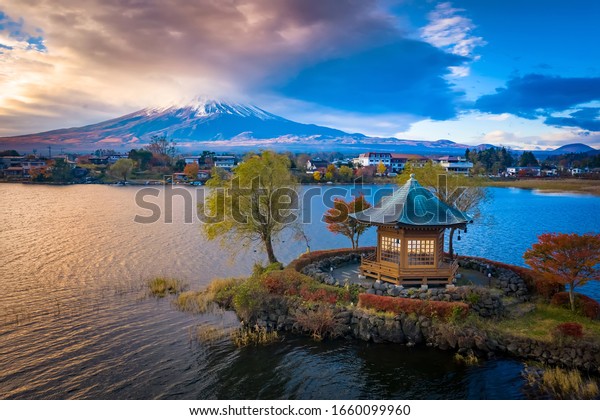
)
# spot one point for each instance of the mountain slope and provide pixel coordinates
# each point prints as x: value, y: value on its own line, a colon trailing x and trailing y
x: 203, y: 120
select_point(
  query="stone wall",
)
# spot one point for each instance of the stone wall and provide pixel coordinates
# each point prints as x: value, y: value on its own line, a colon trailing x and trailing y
x: 410, y: 330
x: 502, y: 278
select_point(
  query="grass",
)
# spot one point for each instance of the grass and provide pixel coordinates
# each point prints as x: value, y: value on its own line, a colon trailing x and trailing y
x: 589, y: 186
x: 207, y: 333
x: 468, y: 360
x: 540, y: 323
x: 219, y: 291
x: 564, y: 384
x: 247, y: 336
x: 163, y: 286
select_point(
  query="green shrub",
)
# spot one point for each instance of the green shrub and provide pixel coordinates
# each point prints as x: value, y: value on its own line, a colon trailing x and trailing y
x: 249, y: 297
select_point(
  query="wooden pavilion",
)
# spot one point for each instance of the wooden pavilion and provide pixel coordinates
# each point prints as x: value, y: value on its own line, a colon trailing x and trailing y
x: 410, y: 237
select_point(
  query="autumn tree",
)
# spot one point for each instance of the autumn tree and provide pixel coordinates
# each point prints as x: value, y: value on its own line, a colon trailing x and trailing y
x: 121, y: 168
x: 568, y: 259
x: 339, y: 222
x: 191, y: 171
x: 255, y: 205
x: 381, y: 168
x: 162, y: 149
x: 317, y: 176
x: 345, y: 174
x: 467, y: 194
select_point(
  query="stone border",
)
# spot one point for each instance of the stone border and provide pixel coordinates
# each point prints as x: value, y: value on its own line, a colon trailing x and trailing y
x: 487, y: 302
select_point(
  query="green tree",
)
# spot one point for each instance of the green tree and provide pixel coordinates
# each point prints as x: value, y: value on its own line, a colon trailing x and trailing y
x: 345, y: 174
x: 338, y: 221
x: 465, y: 193
x: 568, y: 259
x: 121, y: 168
x: 254, y: 205
x: 141, y: 157
x: 528, y: 159
x: 61, y: 170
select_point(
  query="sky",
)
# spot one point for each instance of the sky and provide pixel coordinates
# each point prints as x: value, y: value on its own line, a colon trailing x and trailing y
x: 519, y: 73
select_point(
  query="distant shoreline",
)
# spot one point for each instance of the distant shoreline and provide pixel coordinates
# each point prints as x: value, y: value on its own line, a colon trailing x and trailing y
x: 579, y: 186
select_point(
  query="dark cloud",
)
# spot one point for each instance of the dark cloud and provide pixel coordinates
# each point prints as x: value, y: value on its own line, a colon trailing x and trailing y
x: 535, y: 95
x: 586, y: 118
x: 242, y: 41
x: 406, y: 76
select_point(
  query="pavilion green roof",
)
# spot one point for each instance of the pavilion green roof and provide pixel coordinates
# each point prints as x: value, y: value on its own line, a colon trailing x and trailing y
x: 413, y: 205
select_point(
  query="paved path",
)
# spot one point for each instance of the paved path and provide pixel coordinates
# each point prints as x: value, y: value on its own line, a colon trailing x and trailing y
x: 350, y: 273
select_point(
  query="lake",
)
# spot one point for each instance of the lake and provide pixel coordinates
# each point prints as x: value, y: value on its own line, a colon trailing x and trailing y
x: 75, y: 321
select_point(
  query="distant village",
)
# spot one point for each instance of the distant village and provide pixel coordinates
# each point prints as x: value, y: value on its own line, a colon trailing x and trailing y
x: 159, y: 162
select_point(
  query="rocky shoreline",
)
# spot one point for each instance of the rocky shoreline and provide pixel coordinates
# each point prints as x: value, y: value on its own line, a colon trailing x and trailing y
x: 282, y: 314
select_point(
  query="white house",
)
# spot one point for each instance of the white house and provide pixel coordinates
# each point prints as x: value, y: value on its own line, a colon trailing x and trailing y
x: 225, y: 161
x: 455, y: 164
x: 373, y: 158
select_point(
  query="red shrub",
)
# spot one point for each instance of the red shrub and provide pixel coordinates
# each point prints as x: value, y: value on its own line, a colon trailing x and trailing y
x: 319, y: 295
x: 570, y: 329
x: 419, y: 307
x: 285, y: 282
x: 584, y: 304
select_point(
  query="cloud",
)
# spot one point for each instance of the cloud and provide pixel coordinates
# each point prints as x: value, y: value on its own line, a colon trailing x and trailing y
x: 406, y: 76
x: 449, y: 30
x: 535, y: 95
x: 585, y: 118
x: 98, y: 57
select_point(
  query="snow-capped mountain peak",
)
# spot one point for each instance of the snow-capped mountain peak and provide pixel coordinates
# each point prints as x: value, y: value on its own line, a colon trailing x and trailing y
x: 203, y: 106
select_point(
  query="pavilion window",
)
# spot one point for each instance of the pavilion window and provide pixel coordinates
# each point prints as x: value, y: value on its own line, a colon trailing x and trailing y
x: 390, y: 249
x: 421, y: 252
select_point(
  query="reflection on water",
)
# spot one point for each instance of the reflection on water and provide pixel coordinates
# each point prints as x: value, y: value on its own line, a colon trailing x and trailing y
x: 75, y: 322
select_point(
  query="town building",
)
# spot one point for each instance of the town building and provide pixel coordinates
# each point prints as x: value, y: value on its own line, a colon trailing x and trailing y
x: 225, y: 161
x: 317, y: 164
x: 524, y: 171
x: 454, y: 164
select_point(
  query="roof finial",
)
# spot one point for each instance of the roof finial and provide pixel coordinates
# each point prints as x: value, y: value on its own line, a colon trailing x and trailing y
x: 412, y: 176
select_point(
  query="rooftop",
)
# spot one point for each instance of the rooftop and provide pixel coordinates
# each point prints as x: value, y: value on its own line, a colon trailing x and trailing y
x: 413, y: 205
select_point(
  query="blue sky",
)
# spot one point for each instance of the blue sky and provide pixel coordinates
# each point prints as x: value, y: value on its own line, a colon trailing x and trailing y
x: 525, y: 74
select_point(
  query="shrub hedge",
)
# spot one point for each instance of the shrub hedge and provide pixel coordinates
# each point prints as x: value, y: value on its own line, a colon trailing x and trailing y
x: 398, y: 305
x: 587, y: 306
x: 570, y: 329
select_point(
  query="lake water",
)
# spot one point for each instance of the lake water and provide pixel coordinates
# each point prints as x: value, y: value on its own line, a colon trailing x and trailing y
x: 75, y: 322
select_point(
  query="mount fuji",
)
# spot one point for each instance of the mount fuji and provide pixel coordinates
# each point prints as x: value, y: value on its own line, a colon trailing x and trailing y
x: 203, y: 121
x: 211, y: 124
